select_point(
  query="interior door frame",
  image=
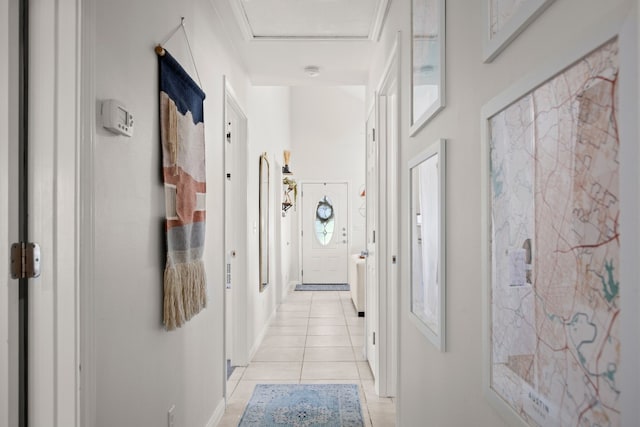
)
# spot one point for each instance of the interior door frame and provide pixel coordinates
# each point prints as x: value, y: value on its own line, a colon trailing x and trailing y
x: 371, y: 289
x: 58, y: 218
x: 9, y: 130
x: 300, y: 219
x: 388, y: 224
x: 61, y: 404
x: 240, y: 290
x: 87, y: 398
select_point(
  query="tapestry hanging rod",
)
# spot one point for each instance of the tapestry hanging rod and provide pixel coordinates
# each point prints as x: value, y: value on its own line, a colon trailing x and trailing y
x: 160, y: 46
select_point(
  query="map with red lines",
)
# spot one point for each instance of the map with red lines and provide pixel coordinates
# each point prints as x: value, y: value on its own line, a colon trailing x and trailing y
x: 555, y: 303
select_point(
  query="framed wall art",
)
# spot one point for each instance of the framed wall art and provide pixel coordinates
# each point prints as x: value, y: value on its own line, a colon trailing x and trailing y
x: 504, y: 20
x: 551, y: 265
x: 427, y: 61
x: 263, y: 215
x: 427, y: 222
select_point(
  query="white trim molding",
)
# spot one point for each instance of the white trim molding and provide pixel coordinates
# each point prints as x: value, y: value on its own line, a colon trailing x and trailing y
x: 375, y: 29
x: 9, y: 134
x: 86, y: 187
x: 217, y: 415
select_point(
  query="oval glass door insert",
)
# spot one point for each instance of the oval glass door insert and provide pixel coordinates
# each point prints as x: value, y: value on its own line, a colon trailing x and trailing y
x: 325, y: 221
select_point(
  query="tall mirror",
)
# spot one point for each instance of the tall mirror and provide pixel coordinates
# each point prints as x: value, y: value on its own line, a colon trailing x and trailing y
x: 427, y: 304
x: 264, y: 221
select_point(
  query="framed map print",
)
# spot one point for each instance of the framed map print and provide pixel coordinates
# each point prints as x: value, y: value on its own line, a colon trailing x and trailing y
x: 552, y: 261
x: 504, y: 20
x: 427, y: 61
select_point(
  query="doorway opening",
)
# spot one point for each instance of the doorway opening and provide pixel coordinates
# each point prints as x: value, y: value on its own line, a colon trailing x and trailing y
x: 383, y: 230
x: 235, y: 233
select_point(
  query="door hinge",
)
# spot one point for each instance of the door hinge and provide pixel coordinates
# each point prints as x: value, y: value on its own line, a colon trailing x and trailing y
x: 229, y: 132
x: 301, y: 233
x: 394, y: 259
x: 374, y: 133
x: 374, y: 338
x: 25, y: 260
x: 374, y: 236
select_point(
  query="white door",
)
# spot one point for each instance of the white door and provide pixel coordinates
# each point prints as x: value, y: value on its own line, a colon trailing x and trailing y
x: 52, y: 194
x: 325, y: 232
x: 235, y: 220
x: 384, y: 210
x: 389, y: 230
x: 53, y: 205
x: 230, y: 238
x: 371, y: 294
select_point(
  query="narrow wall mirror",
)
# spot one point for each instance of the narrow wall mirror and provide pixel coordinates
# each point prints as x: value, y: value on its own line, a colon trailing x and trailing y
x: 427, y: 304
x: 264, y: 221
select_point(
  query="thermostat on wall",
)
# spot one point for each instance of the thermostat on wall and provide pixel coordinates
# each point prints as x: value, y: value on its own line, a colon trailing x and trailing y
x: 116, y: 118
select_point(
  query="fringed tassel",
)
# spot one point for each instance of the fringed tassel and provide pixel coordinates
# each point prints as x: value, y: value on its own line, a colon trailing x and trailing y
x: 185, y: 293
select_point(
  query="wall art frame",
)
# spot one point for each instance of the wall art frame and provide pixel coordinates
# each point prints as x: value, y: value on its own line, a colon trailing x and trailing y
x: 427, y: 196
x: 264, y: 221
x: 497, y: 35
x: 427, y: 61
x: 518, y: 379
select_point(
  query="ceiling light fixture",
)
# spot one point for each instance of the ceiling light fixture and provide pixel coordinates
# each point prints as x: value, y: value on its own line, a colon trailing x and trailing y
x: 312, y: 70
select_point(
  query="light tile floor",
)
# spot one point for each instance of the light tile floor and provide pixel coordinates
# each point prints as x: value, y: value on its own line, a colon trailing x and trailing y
x: 314, y: 337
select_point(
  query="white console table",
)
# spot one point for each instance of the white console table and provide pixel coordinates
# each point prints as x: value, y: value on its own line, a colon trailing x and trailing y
x: 356, y: 282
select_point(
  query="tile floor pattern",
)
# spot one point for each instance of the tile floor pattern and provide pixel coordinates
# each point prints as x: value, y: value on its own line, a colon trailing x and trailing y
x: 314, y: 337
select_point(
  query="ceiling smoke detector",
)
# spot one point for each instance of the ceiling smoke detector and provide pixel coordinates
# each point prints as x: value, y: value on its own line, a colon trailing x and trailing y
x: 312, y: 70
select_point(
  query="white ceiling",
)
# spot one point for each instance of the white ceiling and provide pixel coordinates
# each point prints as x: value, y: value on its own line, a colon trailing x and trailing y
x: 278, y: 38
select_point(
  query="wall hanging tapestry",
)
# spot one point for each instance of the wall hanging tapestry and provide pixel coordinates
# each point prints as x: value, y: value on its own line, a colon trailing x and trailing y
x: 183, y: 166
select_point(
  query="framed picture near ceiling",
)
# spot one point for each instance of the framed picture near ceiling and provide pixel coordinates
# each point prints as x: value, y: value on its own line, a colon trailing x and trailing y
x: 427, y: 61
x: 551, y: 264
x: 504, y: 20
x: 427, y: 308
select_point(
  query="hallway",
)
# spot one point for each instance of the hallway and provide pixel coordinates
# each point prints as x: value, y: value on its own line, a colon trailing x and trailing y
x: 314, y: 337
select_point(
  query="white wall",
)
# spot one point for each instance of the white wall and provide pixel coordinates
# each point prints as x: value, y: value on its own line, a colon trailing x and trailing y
x: 328, y: 144
x: 434, y: 385
x: 268, y: 132
x: 142, y: 370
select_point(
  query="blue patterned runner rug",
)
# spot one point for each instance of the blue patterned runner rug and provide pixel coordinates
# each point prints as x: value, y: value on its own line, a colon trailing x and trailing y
x: 303, y: 405
x: 322, y: 287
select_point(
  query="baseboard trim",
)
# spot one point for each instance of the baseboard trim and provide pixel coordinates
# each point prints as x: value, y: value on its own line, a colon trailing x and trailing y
x: 217, y: 414
x: 263, y: 333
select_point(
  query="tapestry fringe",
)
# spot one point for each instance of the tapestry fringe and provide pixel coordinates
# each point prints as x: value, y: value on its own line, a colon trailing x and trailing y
x: 185, y: 293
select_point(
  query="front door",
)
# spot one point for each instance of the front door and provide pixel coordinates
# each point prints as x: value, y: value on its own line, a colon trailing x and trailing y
x: 325, y: 232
